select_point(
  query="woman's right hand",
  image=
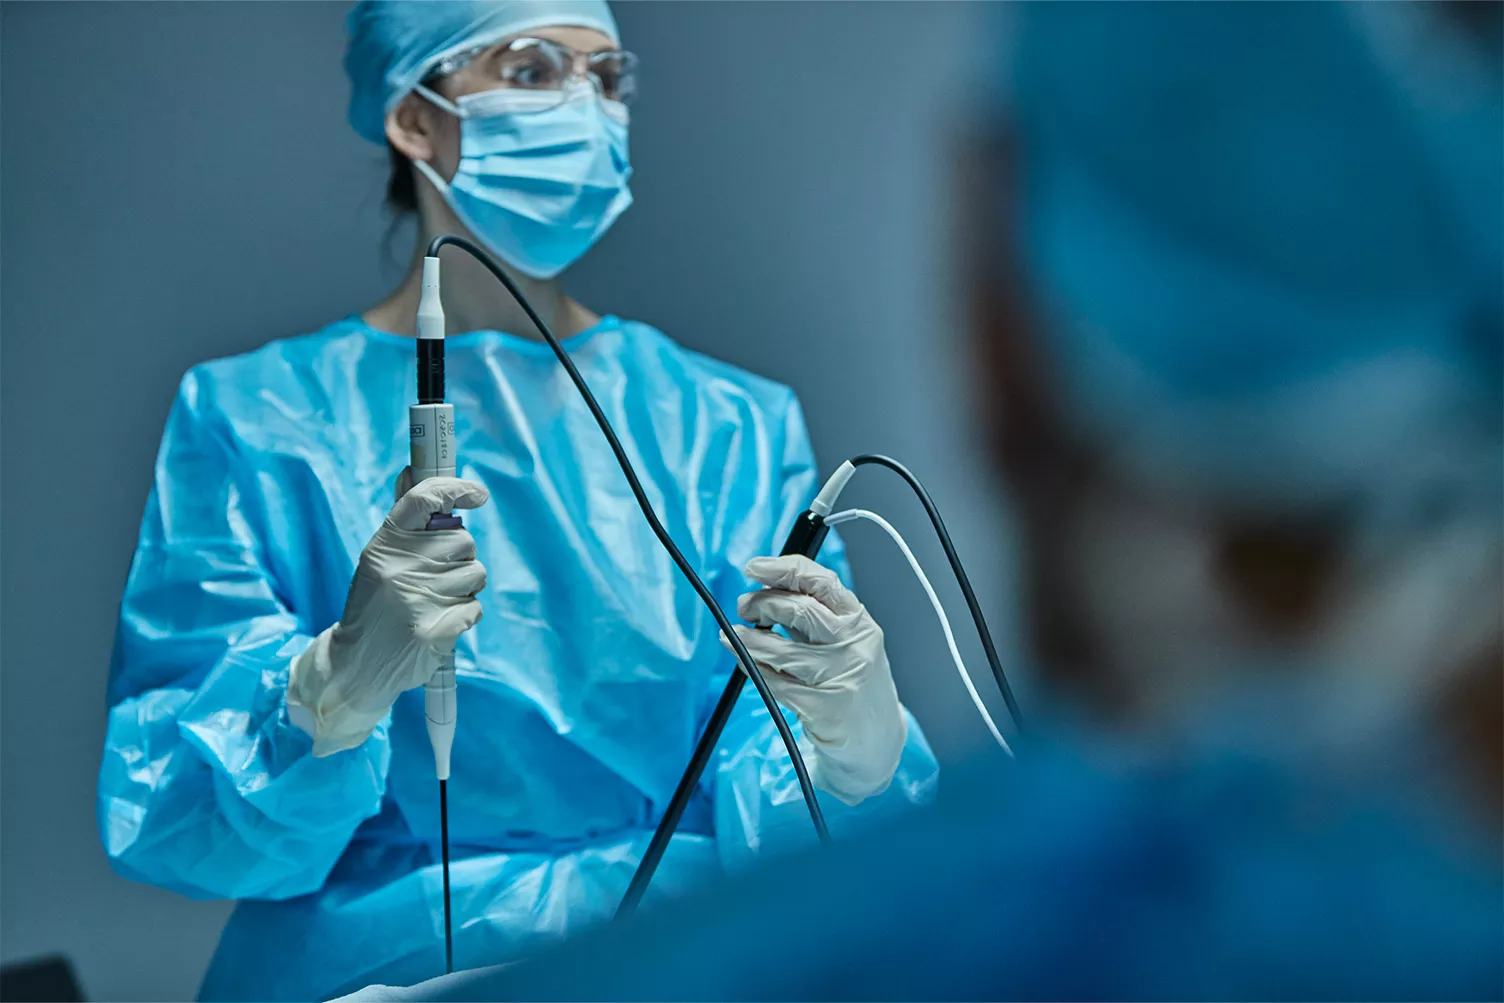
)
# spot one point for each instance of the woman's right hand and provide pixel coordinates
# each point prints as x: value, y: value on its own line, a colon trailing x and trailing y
x: 412, y: 596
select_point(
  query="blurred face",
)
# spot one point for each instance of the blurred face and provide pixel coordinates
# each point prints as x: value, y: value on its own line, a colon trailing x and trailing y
x: 1153, y: 603
x: 426, y: 132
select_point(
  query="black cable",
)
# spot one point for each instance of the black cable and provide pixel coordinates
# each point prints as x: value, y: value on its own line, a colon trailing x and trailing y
x: 805, y: 538
x: 961, y: 579
x: 669, y: 823
x: 444, y: 840
x: 748, y: 665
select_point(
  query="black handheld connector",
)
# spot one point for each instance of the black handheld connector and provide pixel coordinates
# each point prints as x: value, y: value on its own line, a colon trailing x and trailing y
x: 806, y: 538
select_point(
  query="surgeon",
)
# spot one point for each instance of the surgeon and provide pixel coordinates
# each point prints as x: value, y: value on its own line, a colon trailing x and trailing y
x: 265, y: 740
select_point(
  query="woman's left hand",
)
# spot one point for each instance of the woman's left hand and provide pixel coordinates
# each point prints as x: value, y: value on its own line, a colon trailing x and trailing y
x: 832, y: 671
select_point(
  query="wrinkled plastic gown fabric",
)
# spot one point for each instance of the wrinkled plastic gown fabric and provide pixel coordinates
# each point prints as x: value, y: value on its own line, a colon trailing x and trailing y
x: 581, y: 691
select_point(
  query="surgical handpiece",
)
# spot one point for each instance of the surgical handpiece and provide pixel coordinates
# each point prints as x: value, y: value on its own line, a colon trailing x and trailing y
x: 431, y: 454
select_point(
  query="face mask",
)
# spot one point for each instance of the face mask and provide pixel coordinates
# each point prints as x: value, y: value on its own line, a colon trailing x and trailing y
x: 540, y: 178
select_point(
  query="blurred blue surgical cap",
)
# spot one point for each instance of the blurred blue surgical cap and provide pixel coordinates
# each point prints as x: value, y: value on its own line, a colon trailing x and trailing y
x: 394, y: 43
x: 1267, y: 239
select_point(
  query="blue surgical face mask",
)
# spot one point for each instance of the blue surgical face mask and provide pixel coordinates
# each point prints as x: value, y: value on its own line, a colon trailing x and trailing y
x: 540, y: 178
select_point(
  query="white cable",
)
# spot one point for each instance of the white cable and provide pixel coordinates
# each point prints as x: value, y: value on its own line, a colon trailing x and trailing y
x: 929, y: 590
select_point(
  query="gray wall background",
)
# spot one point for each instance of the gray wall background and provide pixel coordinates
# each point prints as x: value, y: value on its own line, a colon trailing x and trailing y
x: 178, y: 184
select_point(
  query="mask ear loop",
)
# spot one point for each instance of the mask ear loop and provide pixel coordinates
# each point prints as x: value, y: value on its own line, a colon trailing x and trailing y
x: 426, y: 169
x: 444, y: 104
x: 440, y: 101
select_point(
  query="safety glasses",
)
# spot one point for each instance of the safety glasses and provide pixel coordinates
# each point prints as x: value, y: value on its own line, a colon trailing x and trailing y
x: 544, y: 66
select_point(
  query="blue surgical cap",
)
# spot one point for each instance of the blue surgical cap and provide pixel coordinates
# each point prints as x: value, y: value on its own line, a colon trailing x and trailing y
x: 1267, y: 240
x: 395, y: 43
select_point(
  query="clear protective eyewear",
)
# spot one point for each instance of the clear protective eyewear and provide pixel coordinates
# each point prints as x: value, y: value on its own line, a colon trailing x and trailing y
x: 545, y: 66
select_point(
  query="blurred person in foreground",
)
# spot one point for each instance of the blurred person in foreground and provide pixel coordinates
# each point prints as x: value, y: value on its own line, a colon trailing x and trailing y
x: 1240, y: 284
x: 1249, y: 343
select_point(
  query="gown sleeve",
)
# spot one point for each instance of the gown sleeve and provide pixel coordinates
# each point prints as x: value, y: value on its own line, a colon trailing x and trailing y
x: 758, y: 807
x: 205, y: 786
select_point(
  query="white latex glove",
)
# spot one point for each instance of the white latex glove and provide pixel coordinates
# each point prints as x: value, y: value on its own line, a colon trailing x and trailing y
x: 832, y: 671
x: 412, y: 596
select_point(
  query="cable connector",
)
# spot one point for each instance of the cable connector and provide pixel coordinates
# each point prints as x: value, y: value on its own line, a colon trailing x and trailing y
x: 430, y: 305
x: 825, y: 501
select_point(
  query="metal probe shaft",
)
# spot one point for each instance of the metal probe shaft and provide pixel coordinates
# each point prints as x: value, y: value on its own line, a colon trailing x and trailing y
x: 444, y: 842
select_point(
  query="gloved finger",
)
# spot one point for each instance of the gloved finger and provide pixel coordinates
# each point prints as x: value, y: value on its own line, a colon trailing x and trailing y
x: 460, y: 581
x: 404, y: 484
x: 436, y: 494
x: 804, y: 616
x: 797, y: 573
x: 770, y: 652
x: 767, y: 649
x: 442, y: 546
x: 442, y: 627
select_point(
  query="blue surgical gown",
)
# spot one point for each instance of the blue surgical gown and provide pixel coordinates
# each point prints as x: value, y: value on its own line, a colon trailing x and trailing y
x: 582, y: 690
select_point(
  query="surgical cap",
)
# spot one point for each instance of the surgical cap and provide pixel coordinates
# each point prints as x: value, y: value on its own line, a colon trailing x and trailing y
x: 1267, y: 240
x: 394, y: 44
